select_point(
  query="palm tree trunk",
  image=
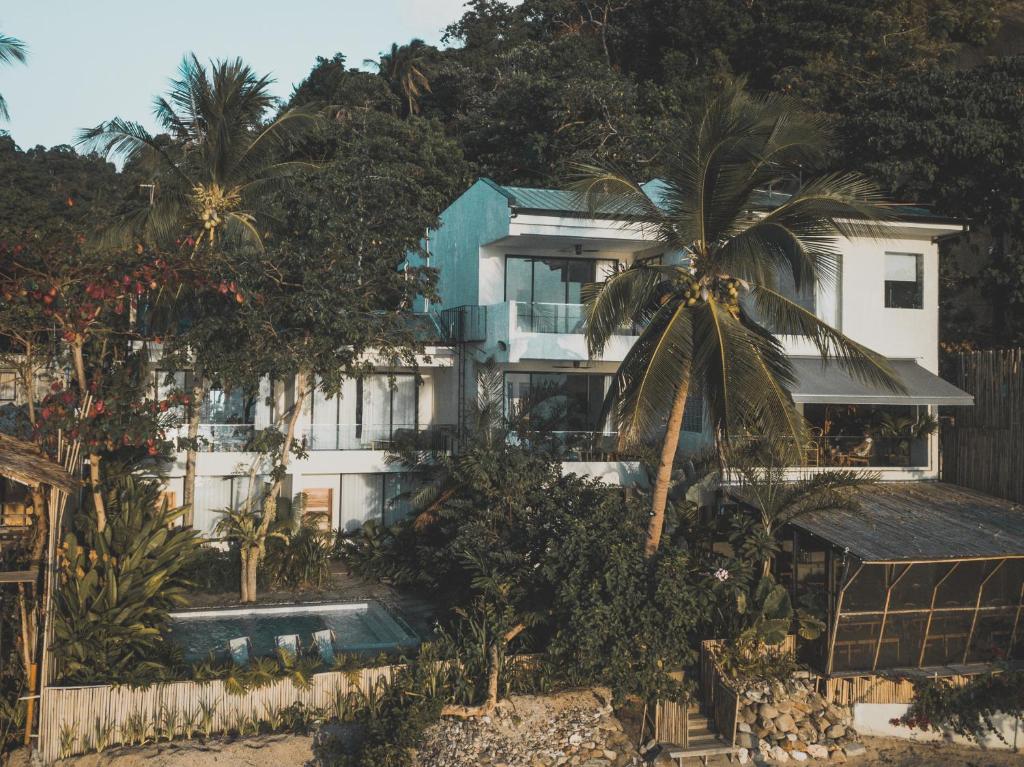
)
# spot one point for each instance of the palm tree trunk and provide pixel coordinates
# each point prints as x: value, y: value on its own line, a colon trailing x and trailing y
x: 95, y: 478
x: 192, y: 454
x: 663, y: 477
x: 256, y: 551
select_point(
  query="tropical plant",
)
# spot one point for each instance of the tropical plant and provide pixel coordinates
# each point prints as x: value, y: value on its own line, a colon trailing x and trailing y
x: 243, y: 529
x: 303, y: 557
x: 761, y: 483
x: 406, y: 69
x: 11, y: 50
x: 710, y: 321
x: 211, y: 177
x: 968, y: 710
x: 116, y: 587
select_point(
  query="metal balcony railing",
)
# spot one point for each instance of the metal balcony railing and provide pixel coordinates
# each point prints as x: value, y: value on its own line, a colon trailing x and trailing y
x: 556, y: 318
x: 333, y: 436
x: 464, y: 324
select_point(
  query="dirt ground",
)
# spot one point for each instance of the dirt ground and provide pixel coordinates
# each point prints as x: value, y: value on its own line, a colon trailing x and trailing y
x: 295, y: 751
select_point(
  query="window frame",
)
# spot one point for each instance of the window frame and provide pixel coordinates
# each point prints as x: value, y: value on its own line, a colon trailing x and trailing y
x: 887, y: 300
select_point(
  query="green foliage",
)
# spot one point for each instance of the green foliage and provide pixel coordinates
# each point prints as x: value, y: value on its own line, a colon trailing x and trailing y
x: 115, y: 589
x: 302, y: 558
x: 967, y: 710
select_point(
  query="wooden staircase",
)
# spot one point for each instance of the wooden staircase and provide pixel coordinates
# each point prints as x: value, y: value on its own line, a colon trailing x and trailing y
x: 701, y: 742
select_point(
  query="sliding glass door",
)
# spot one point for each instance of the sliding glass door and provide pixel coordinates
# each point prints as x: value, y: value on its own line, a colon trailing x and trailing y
x: 549, y: 291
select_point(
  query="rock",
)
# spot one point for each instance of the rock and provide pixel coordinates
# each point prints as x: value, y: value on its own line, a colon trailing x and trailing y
x: 783, y: 706
x: 767, y: 711
x: 785, y: 723
x: 747, y: 740
x: 742, y: 756
x: 779, y: 754
x: 817, y: 751
x: 798, y: 756
x: 854, y: 749
x: 743, y: 727
x: 835, y: 731
x: 610, y: 755
x: 838, y: 756
x: 575, y: 739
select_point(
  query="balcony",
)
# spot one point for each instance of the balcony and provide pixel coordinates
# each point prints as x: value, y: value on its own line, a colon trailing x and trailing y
x: 226, y: 437
x: 333, y: 436
x: 577, y: 446
x: 866, y: 452
x: 556, y: 318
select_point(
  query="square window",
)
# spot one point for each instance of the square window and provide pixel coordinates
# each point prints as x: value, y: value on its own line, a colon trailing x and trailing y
x: 904, y: 281
x: 8, y: 386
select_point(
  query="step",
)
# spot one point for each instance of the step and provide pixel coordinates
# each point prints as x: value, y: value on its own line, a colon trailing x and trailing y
x: 695, y: 750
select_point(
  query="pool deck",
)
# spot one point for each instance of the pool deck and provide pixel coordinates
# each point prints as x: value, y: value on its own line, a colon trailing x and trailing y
x: 344, y: 587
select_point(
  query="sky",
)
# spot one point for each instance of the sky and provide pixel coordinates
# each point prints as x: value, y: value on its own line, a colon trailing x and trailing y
x: 90, y: 60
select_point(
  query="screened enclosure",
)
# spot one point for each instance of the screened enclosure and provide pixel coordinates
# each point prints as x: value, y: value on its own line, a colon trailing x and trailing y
x: 923, y: 574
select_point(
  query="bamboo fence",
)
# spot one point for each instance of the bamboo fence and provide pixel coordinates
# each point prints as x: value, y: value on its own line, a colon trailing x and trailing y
x: 870, y: 688
x: 77, y: 720
x: 983, y: 446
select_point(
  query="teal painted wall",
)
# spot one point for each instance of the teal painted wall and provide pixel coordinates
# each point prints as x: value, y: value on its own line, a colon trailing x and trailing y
x: 479, y: 215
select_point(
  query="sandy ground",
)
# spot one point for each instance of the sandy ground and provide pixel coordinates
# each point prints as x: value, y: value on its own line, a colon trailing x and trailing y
x: 295, y: 751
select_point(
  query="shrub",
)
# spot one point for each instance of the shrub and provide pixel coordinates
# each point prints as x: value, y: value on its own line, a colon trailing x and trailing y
x: 302, y: 559
x: 967, y: 710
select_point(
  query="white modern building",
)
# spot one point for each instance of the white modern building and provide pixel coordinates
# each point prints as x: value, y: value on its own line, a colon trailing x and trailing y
x: 512, y: 263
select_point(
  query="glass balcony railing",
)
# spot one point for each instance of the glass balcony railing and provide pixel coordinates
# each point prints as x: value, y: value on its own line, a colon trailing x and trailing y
x: 578, y: 445
x: 225, y: 437
x: 333, y: 436
x: 556, y: 318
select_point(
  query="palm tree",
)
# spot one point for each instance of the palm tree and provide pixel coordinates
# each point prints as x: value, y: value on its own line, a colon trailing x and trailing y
x: 211, y: 174
x: 11, y: 50
x: 405, y: 69
x: 762, y: 483
x: 710, y: 321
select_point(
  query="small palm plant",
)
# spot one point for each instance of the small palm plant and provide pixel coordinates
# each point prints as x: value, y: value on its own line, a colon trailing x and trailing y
x: 242, y: 528
x: 710, y: 321
x: 405, y: 68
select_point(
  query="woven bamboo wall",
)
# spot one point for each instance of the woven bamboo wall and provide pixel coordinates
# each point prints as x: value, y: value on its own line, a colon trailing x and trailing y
x: 846, y: 691
x: 73, y: 718
x: 983, y: 448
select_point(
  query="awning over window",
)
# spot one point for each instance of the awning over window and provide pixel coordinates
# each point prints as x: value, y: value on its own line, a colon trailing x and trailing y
x: 825, y: 382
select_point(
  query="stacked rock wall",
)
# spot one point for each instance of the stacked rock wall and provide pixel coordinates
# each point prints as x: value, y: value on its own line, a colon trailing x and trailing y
x: 792, y: 721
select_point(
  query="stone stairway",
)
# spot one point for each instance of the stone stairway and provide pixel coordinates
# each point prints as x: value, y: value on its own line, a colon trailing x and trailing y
x: 703, y: 742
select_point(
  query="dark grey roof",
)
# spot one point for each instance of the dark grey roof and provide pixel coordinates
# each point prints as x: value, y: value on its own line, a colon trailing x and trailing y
x: 825, y: 382
x: 922, y: 521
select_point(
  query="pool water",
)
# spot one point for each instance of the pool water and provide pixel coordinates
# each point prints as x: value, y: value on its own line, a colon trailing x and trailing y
x: 362, y: 627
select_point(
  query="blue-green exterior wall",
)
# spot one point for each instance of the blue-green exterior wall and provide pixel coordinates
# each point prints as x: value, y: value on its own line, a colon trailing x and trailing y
x: 480, y: 215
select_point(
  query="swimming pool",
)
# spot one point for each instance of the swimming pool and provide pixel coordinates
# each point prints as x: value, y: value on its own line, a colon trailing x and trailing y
x: 359, y: 627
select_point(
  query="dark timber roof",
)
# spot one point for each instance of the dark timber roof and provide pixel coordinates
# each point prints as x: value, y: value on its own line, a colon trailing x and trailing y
x: 922, y: 521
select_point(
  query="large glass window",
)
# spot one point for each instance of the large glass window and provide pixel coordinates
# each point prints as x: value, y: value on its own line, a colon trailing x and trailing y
x: 382, y: 498
x: 904, y: 281
x: 563, y: 401
x: 367, y: 415
x: 551, y: 290
x: 8, y: 385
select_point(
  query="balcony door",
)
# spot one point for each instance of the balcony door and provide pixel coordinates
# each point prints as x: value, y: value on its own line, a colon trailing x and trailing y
x: 551, y: 290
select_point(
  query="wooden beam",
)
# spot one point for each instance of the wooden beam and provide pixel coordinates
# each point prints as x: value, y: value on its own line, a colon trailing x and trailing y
x: 885, y: 613
x: 18, y: 576
x: 931, y: 613
x: 835, y: 622
x: 977, y: 607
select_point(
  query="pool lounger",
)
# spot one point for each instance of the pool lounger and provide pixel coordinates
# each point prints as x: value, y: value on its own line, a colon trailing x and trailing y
x: 240, y: 650
x: 323, y: 640
x: 288, y: 643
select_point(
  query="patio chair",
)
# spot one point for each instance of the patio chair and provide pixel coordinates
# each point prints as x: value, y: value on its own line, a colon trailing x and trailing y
x: 323, y: 641
x: 288, y: 643
x: 240, y: 650
x: 860, y: 455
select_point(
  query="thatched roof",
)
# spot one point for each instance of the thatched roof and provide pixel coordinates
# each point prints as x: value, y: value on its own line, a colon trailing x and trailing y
x: 24, y: 462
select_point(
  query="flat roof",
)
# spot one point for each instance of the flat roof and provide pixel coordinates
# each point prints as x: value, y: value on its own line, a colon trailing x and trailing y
x: 922, y: 522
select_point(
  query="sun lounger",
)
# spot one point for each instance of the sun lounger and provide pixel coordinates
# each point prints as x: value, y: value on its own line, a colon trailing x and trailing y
x: 288, y: 643
x: 240, y: 649
x: 323, y: 640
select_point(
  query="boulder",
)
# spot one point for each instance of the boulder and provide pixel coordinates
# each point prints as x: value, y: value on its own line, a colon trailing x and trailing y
x: 744, y: 727
x: 838, y: 756
x: 783, y: 706
x: 785, y: 723
x: 780, y: 754
x: 747, y: 740
x: 767, y: 711
x: 835, y: 731
x: 742, y: 756
x: 817, y: 751
x: 854, y: 749
x: 798, y: 756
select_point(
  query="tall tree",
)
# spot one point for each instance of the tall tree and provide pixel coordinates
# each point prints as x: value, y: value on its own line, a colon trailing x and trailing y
x: 211, y: 176
x: 710, y: 321
x: 11, y: 50
x: 406, y: 69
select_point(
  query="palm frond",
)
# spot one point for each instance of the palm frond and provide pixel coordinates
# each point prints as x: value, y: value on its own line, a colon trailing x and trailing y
x: 789, y: 318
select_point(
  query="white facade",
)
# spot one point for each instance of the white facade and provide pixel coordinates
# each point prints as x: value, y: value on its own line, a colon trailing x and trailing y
x: 510, y: 263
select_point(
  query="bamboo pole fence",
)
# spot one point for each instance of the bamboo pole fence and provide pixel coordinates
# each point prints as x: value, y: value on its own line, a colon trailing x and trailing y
x: 78, y: 720
x: 983, y: 446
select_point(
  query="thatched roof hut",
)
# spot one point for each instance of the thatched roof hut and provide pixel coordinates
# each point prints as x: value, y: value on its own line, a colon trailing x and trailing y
x: 25, y: 463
